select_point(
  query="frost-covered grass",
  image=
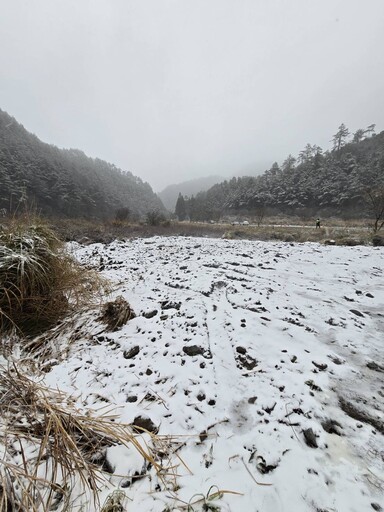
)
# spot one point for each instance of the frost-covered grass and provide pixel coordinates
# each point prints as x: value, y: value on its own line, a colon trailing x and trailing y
x: 39, y: 281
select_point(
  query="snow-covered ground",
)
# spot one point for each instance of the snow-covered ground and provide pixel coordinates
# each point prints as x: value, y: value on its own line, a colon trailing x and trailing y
x: 263, y: 362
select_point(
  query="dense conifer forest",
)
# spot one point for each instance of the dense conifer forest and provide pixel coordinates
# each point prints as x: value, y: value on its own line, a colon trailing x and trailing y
x: 65, y: 182
x: 330, y: 183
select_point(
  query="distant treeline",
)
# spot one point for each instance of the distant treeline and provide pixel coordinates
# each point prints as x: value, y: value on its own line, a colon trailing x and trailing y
x: 65, y: 182
x: 317, y: 182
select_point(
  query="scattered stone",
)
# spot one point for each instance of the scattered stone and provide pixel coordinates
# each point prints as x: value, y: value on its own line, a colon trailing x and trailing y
x: 313, y: 386
x: 357, y: 312
x: 310, y: 438
x: 193, y: 350
x: 170, y: 305
x: 252, y: 399
x: 201, y: 397
x: 369, y: 295
x: 241, y: 350
x: 268, y: 410
x: 132, y: 352
x: 377, y: 507
x: 150, y: 314
x: 320, y: 366
x: 246, y: 361
x: 336, y: 360
x: 331, y: 426
x: 375, y: 367
x: 293, y: 359
x: 131, y: 399
x: 141, y: 423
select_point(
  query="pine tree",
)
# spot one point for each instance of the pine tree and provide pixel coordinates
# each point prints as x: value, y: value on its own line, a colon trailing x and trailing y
x: 339, y: 138
x: 180, y: 209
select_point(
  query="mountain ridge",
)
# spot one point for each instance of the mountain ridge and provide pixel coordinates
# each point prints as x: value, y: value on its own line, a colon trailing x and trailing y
x: 65, y: 182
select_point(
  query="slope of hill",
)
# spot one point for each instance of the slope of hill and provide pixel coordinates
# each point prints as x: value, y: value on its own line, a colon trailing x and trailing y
x: 317, y: 183
x: 187, y: 188
x: 65, y: 181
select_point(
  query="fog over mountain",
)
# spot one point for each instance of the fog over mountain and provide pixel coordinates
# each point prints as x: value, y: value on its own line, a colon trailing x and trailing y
x: 186, y: 188
x: 173, y: 90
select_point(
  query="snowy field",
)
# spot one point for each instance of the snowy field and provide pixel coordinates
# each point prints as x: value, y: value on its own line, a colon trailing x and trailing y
x: 262, y: 361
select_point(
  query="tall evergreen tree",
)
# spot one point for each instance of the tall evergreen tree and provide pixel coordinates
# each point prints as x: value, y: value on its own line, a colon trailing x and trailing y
x: 180, y: 209
x: 339, y: 139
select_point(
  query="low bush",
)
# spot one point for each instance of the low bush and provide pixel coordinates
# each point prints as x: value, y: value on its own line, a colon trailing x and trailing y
x: 39, y: 281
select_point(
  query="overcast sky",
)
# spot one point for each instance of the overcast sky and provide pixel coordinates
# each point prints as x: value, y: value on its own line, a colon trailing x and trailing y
x: 177, y: 89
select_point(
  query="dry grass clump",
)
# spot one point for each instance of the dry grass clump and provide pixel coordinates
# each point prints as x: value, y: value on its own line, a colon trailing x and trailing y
x: 117, y: 313
x: 49, y: 449
x: 39, y: 281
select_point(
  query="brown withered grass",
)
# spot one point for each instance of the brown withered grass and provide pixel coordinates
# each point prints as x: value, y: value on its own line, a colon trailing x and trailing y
x: 39, y: 282
x: 52, y: 451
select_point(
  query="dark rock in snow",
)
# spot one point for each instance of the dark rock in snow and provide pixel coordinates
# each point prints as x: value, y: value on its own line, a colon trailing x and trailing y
x: 246, y: 362
x: 336, y: 360
x: 320, y: 366
x: 193, y: 350
x: 132, y: 352
x: 313, y: 386
x: 310, y: 438
x: 356, y: 312
x: 143, y: 422
x: 374, y: 366
x: 331, y: 426
x: 150, y: 314
x: 170, y: 305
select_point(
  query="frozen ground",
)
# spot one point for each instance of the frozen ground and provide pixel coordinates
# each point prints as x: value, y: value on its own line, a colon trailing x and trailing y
x: 262, y: 361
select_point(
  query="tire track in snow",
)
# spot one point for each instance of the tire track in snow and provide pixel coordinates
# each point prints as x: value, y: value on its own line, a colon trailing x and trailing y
x: 220, y: 323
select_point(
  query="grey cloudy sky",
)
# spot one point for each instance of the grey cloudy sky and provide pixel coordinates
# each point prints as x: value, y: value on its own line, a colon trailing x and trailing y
x: 177, y: 89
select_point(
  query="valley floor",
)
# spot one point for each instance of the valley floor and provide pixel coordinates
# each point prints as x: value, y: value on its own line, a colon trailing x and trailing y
x: 261, y: 364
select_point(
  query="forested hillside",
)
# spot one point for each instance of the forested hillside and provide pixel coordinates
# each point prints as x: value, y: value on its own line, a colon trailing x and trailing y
x: 333, y: 182
x: 65, y: 181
